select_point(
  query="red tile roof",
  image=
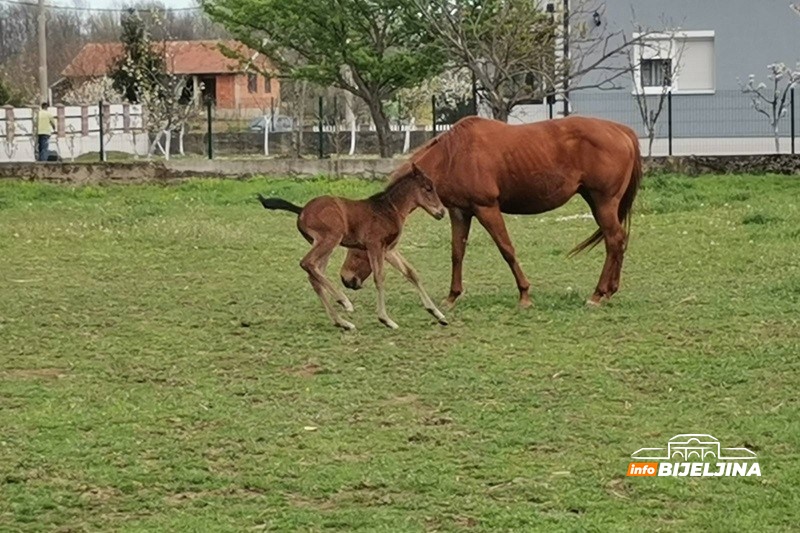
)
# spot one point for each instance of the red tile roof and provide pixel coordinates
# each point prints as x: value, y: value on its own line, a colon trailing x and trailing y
x: 184, y: 57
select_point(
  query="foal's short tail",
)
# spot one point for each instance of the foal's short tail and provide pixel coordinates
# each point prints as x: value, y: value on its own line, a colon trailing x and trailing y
x: 279, y: 203
x: 625, y: 205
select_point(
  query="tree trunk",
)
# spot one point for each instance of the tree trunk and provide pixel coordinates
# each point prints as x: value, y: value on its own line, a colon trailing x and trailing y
x: 381, y: 126
x: 168, y: 143
x: 777, y: 139
x: 499, y: 107
x: 651, y: 136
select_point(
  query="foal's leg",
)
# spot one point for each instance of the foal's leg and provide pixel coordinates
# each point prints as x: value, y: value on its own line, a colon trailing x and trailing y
x: 376, y: 256
x: 607, y: 216
x: 399, y: 262
x: 492, y: 219
x: 460, y: 222
x: 340, y: 297
x: 311, y: 263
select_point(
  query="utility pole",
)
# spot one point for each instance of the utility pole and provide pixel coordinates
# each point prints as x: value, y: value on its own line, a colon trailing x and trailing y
x: 43, y: 86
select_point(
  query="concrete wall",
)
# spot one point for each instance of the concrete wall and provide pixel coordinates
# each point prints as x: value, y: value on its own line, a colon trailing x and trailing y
x: 165, y: 172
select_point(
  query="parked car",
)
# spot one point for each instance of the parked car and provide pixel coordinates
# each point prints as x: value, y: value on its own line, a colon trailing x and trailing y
x: 281, y: 123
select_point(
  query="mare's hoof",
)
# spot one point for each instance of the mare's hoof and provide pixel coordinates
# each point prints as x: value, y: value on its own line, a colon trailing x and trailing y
x: 347, y: 305
x: 389, y: 323
x: 592, y: 302
x: 525, y: 304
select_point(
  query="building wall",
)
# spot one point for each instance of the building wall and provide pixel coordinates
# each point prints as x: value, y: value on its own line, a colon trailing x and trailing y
x: 266, y: 91
x: 748, y: 36
x: 225, y: 96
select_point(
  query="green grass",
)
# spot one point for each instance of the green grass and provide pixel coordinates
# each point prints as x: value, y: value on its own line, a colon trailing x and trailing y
x: 167, y: 367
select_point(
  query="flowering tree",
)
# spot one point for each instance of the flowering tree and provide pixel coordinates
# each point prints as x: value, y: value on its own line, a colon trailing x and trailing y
x: 452, y: 87
x: 772, y: 100
x: 145, y: 74
x: 94, y: 91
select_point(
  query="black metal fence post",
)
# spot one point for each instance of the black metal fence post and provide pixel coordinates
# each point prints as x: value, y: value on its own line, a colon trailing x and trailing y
x: 669, y: 119
x: 551, y: 100
x: 794, y: 125
x: 474, y: 95
x: 433, y: 108
x: 102, y: 132
x: 320, y: 138
x: 209, y: 133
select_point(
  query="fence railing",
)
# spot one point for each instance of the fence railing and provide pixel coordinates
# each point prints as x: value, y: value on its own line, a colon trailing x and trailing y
x: 703, y: 124
x: 79, y: 130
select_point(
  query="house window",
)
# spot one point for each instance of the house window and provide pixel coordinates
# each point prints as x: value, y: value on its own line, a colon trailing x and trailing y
x: 267, y: 84
x: 656, y: 72
x: 252, y: 83
x: 681, y: 60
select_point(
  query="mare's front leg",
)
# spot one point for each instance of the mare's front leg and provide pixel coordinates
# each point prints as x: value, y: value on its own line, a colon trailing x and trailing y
x: 460, y: 222
x: 376, y: 257
x: 399, y: 262
x: 492, y: 219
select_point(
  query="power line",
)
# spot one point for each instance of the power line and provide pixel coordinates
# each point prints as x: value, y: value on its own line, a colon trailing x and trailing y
x: 102, y: 9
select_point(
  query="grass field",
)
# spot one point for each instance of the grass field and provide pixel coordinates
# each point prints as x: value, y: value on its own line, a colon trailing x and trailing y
x: 165, y: 366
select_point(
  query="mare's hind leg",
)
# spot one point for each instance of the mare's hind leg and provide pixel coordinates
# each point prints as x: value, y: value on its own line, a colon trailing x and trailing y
x: 606, y: 213
x: 376, y: 256
x: 460, y: 222
x: 405, y: 268
x: 313, y: 263
x: 491, y: 219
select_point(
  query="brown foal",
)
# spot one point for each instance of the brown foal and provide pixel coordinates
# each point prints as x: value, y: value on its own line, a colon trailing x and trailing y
x: 373, y: 225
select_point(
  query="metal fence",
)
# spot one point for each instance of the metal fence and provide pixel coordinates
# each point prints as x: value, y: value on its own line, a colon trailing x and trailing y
x: 324, y: 124
x: 721, y: 123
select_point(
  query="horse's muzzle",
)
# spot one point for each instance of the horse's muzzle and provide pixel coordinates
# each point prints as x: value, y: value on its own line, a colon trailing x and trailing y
x: 352, y: 283
x: 439, y: 215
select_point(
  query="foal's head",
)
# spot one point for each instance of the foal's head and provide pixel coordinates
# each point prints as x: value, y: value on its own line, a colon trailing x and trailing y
x: 356, y: 268
x: 422, y: 192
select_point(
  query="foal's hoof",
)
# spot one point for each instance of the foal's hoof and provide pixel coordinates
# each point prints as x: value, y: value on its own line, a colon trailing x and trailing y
x: 345, y: 325
x: 592, y: 302
x: 389, y: 323
x: 525, y: 304
x: 346, y: 305
x: 439, y: 316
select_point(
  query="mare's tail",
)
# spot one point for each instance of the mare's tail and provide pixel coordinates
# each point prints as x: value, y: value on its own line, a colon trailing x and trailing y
x: 279, y: 203
x: 625, y: 205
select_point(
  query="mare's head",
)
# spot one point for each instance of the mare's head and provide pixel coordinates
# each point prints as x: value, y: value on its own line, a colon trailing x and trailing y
x: 356, y: 268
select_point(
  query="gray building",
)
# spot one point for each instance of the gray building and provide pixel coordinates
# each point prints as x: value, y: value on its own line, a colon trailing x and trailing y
x: 706, y: 47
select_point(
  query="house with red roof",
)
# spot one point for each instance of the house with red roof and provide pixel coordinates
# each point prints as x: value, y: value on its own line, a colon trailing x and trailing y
x: 237, y: 89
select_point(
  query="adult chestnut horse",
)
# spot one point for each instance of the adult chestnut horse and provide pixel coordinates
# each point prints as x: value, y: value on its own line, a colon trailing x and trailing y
x: 483, y: 168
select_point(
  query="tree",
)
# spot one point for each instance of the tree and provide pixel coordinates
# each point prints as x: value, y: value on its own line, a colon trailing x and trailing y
x: 6, y: 97
x: 773, y: 101
x: 515, y: 48
x: 369, y: 48
x: 140, y: 66
x: 662, y: 50
x: 94, y: 91
x: 145, y: 74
